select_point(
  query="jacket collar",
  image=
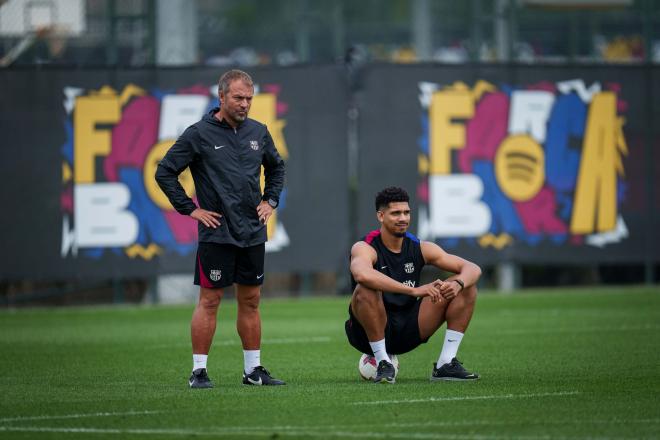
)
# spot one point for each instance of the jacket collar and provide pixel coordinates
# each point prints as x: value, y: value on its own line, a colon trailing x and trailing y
x: 210, y: 117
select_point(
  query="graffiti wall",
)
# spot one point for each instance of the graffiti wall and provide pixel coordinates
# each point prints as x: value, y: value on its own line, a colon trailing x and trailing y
x: 519, y: 165
x: 126, y: 133
x: 554, y: 164
x: 109, y: 134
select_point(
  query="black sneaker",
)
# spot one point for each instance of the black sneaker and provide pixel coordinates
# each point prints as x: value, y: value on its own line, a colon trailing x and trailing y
x: 260, y: 376
x: 385, y: 373
x: 452, y: 371
x: 199, y: 379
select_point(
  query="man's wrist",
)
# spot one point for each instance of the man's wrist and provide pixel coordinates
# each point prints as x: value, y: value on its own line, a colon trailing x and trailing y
x: 460, y: 283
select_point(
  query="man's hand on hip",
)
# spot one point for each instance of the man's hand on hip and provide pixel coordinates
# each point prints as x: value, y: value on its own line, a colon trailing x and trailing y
x: 264, y: 211
x: 210, y: 219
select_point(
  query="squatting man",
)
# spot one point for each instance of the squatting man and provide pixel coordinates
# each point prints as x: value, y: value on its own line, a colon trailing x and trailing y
x: 390, y: 313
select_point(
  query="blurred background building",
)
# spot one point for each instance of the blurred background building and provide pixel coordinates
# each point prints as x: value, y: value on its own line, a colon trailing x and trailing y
x: 123, y: 39
x: 139, y: 33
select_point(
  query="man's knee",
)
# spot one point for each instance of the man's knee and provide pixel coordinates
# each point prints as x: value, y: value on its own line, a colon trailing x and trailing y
x: 365, y: 297
x: 470, y: 294
x: 248, y: 297
x: 209, y: 299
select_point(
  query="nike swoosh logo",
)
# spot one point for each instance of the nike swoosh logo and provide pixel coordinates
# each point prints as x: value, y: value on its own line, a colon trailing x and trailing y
x: 260, y: 277
x: 217, y: 148
x: 254, y: 382
x: 383, y: 267
x: 451, y: 340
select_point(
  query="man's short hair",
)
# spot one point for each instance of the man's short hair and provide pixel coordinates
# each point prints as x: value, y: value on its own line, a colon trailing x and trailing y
x: 389, y: 195
x: 229, y: 77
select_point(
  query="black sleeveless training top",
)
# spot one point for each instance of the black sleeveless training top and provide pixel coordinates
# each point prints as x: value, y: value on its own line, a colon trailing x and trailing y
x: 405, y: 267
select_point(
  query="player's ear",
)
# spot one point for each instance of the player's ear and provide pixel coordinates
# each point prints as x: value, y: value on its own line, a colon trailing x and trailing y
x: 380, y: 216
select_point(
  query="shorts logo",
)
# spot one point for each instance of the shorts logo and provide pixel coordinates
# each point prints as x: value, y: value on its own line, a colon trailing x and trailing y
x: 254, y: 145
x: 409, y: 267
x: 215, y: 275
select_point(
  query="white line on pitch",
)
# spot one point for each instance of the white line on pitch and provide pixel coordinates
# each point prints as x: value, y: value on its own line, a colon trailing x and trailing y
x: 505, y: 423
x: 445, y: 399
x: 79, y: 416
x: 263, y: 341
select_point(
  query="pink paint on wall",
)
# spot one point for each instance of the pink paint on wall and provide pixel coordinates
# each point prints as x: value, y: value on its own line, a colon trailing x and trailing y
x: 485, y: 131
x: 539, y: 215
x: 66, y: 200
x: 133, y: 136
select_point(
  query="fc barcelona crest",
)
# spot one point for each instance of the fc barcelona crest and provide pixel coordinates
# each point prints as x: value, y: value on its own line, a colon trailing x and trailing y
x: 409, y: 267
x: 215, y: 275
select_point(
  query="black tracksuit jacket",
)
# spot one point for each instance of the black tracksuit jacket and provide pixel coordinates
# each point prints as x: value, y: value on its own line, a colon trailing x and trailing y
x: 226, y: 167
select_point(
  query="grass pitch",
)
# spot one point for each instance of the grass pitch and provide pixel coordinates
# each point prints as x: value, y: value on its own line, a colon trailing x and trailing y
x: 571, y: 364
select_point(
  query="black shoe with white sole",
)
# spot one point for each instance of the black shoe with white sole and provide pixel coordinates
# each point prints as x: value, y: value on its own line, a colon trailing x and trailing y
x: 199, y: 379
x: 452, y: 371
x: 385, y: 373
x: 260, y: 376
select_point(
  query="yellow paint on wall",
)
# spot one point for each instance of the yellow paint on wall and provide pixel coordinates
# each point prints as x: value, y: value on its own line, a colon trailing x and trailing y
x: 130, y: 91
x: 146, y: 253
x: 480, y: 88
x: 496, y: 241
x: 422, y: 164
x: 272, y: 221
x: 151, y: 162
x: 520, y: 167
x: 264, y: 110
x: 90, y: 140
x: 446, y: 134
x: 66, y: 172
x: 595, y: 203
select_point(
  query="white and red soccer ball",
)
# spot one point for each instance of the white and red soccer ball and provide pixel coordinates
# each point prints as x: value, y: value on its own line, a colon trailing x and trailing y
x: 367, y: 366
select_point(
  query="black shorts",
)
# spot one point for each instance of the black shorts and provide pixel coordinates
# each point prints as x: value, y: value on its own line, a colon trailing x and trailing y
x: 221, y: 265
x: 401, y: 331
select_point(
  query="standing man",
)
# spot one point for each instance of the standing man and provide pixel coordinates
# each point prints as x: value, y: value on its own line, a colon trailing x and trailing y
x: 390, y: 313
x: 225, y: 151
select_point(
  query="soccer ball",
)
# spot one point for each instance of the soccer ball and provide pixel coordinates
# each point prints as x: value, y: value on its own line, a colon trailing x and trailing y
x: 367, y: 366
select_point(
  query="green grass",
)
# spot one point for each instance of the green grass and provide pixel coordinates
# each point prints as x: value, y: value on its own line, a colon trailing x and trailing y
x: 572, y: 364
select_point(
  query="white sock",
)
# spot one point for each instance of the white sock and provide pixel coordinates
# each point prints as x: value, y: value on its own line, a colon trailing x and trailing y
x: 199, y: 361
x: 251, y: 360
x: 449, y: 347
x: 380, y: 353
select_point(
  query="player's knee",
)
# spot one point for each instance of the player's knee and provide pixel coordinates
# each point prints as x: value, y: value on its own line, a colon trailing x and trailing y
x: 249, y: 302
x: 470, y: 294
x: 210, y: 302
x: 363, y: 297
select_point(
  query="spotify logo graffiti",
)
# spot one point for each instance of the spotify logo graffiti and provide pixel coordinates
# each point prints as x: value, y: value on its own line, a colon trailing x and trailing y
x: 520, y: 167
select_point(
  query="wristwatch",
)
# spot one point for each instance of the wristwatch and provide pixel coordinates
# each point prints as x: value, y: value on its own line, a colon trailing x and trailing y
x: 273, y: 203
x: 460, y: 283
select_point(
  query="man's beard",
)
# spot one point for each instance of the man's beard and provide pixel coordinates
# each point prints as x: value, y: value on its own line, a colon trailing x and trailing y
x: 399, y: 234
x: 237, y: 117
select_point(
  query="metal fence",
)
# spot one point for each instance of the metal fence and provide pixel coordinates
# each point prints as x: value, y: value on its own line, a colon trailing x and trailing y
x: 140, y: 33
